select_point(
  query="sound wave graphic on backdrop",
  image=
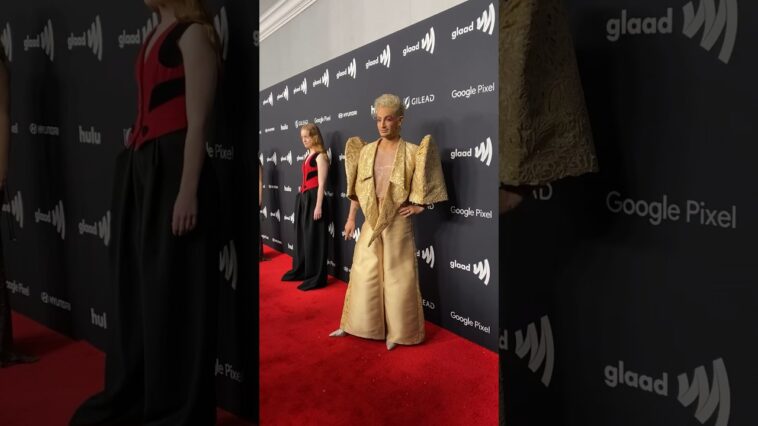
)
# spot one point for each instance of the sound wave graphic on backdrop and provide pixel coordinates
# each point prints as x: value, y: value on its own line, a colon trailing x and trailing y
x: 323, y: 80
x: 718, y: 396
x: 221, y: 24
x: 331, y: 229
x: 285, y: 94
x: 287, y: 158
x: 355, y: 236
x: 6, y: 39
x: 263, y: 212
x: 16, y: 208
x: 351, y: 69
x: 486, y: 23
x: 275, y: 215
x: 228, y: 263
x: 714, y: 24
x: 302, y: 88
x: 290, y: 218
x: 59, y: 219
x: 152, y: 22
x: 484, y: 151
x: 95, y: 38
x: 539, y: 346
x: 104, y: 228
x: 482, y: 271
x: 272, y: 159
x: 386, y: 56
x: 427, y: 255
x: 269, y: 100
x: 428, y: 42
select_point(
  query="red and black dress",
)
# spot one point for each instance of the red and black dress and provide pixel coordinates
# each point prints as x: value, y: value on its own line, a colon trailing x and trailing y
x: 161, y: 350
x: 311, y: 236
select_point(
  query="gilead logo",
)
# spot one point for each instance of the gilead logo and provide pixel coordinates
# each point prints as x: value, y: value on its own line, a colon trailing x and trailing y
x: 656, y: 212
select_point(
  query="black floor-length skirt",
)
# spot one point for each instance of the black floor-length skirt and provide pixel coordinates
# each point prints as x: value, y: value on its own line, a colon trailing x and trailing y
x: 311, y: 242
x: 161, y: 350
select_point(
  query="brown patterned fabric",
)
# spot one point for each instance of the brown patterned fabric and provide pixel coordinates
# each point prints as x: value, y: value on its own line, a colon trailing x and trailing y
x: 544, y: 128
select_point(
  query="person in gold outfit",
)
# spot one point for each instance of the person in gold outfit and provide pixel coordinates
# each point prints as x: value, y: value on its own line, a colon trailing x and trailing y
x: 391, y: 180
x: 545, y: 133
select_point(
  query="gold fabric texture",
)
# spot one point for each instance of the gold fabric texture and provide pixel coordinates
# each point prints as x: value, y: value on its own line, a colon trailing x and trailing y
x: 383, y: 299
x: 544, y: 127
x: 422, y: 180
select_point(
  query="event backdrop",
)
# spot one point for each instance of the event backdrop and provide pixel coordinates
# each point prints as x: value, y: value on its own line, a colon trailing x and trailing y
x: 445, y: 70
x: 73, y: 99
x: 630, y: 296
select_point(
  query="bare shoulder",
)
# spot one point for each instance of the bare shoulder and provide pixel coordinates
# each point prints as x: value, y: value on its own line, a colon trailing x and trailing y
x: 195, y: 37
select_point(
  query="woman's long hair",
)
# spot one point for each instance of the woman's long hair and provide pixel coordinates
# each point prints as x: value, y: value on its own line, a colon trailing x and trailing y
x: 318, y: 140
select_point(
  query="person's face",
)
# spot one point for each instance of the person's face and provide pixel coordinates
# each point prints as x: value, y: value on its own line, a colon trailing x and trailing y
x: 388, y: 123
x: 306, y: 137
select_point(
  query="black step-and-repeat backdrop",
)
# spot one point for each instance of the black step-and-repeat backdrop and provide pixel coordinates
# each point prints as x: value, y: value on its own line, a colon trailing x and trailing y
x: 73, y: 99
x: 630, y: 297
x: 445, y: 70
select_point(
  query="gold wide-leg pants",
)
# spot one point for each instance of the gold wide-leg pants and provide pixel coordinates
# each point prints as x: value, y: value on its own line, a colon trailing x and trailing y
x: 383, y: 299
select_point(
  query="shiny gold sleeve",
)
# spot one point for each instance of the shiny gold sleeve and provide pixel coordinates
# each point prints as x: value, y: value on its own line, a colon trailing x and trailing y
x: 428, y: 184
x: 353, y: 148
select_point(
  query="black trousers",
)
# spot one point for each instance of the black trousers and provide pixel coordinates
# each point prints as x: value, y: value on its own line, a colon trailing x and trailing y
x: 311, y: 241
x: 161, y: 355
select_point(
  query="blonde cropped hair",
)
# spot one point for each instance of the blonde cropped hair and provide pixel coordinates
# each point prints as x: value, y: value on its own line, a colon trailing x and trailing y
x: 388, y: 100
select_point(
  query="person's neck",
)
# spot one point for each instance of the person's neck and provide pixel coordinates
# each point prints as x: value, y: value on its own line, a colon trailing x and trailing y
x: 392, y: 141
x: 168, y: 15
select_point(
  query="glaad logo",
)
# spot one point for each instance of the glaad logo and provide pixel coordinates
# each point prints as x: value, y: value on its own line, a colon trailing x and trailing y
x: 484, y: 23
x: 99, y: 320
x: 480, y: 269
x: 269, y: 100
x: 323, y: 80
x: 291, y: 247
x: 272, y: 159
x: 55, y: 217
x: 540, y: 347
x: 356, y: 234
x: 287, y: 158
x: 6, y: 39
x: 302, y: 157
x: 140, y: 34
x: 284, y: 95
x: 346, y: 269
x: 89, y: 136
x: 714, y: 22
x: 92, y: 38
x: 290, y: 218
x: 330, y: 262
x: 384, y: 58
x: 44, y: 40
x: 656, y: 212
x: 543, y: 193
x: 263, y: 212
x: 350, y: 70
x: 329, y: 194
x: 16, y: 208
x: 331, y: 229
x: 302, y: 88
x: 426, y: 43
x: 427, y: 255
x: 227, y: 263
x: 708, y: 399
x: 100, y: 229
x: 483, y: 152
x: 276, y: 215
x: 221, y: 24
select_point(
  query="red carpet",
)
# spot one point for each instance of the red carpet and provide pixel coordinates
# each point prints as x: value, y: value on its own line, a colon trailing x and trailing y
x: 48, y: 391
x: 310, y: 378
